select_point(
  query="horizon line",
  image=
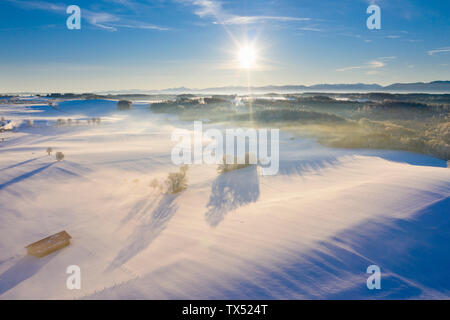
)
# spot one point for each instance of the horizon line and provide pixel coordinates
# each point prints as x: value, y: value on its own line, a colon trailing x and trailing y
x: 240, y: 87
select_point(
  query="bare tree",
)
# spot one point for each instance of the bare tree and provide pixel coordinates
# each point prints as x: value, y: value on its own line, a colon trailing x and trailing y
x: 49, y: 150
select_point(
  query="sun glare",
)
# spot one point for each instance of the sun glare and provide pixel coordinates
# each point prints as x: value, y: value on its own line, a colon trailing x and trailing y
x: 247, y: 57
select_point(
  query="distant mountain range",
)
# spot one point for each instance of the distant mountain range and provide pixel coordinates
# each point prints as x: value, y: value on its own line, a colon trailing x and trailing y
x: 422, y: 87
x: 415, y: 87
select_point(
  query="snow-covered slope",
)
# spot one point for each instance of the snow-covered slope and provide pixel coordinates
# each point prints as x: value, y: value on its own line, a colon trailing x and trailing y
x: 309, y: 232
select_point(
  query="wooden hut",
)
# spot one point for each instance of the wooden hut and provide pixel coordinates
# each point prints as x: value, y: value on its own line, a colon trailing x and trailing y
x: 48, y: 245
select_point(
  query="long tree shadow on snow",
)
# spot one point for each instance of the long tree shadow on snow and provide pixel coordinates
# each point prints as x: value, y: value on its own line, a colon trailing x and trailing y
x: 302, y: 166
x: 23, y: 269
x: 19, y: 164
x: 413, y: 255
x: 230, y: 191
x: 139, y: 210
x: 25, y: 176
x: 147, y: 231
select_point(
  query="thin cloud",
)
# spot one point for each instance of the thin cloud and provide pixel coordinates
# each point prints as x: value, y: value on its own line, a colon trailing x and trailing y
x: 258, y: 19
x: 387, y: 58
x: 435, y: 51
x: 374, y: 64
x: 102, y: 20
x: 39, y: 5
x: 142, y: 26
x: 214, y: 9
x: 314, y: 29
x: 127, y: 3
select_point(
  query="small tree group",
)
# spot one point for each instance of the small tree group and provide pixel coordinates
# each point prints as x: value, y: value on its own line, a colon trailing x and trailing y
x: 62, y: 122
x: 177, y: 181
x: 94, y: 121
x: 59, y: 155
x: 226, y: 167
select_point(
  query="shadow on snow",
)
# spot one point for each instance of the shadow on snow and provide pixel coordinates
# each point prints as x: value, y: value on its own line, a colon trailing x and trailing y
x: 230, y: 191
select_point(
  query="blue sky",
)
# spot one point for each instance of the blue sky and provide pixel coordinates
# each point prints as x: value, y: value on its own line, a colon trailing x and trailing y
x: 156, y: 44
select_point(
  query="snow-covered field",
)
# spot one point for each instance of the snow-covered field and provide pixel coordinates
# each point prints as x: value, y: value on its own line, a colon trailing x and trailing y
x: 309, y: 232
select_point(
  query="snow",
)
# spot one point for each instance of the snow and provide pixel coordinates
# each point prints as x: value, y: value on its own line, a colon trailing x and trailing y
x: 7, y: 125
x: 309, y: 232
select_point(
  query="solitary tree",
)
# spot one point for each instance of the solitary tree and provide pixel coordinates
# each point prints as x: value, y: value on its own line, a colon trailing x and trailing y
x: 59, y: 156
x: 49, y: 150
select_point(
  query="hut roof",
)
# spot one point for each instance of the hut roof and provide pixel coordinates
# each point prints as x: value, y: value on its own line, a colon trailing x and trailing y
x: 50, y: 241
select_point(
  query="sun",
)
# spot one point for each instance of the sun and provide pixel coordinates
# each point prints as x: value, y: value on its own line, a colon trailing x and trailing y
x: 247, y: 57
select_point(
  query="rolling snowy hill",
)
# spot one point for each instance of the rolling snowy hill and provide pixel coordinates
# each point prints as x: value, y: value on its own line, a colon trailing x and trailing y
x: 309, y: 232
